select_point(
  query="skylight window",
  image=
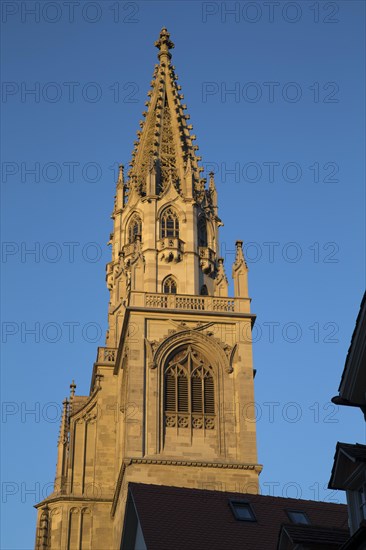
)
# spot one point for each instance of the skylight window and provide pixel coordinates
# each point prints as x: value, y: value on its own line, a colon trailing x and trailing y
x: 242, y: 510
x: 296, y: 516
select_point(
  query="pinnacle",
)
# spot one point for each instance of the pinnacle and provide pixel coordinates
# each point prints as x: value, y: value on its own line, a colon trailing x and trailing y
x: 72, y: 389
x: 239, y: 256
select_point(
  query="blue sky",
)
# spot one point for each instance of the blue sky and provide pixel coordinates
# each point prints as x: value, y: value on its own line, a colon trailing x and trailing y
x: 276, y: 96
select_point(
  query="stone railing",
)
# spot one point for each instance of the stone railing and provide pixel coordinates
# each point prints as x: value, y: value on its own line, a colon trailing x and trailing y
x: 186, y: 302
x: 107, y: 355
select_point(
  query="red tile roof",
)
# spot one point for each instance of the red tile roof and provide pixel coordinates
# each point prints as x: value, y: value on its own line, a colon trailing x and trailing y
x: 182, y: 519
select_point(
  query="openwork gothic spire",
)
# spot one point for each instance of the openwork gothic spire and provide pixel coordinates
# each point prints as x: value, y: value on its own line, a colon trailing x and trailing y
x: 164, y: 153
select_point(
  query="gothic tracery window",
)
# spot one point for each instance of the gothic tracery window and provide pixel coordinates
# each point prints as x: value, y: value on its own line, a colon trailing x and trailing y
x: 134, y: 228
x: 169, y: 224
x: 189, y: 392
x: 169, y: 285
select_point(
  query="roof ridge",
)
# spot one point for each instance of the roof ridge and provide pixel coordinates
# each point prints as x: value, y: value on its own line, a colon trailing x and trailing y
x: 154, y: 487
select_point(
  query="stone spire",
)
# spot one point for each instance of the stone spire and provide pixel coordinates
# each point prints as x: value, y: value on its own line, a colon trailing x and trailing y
x: 165, y: 141
x: 240, y: 272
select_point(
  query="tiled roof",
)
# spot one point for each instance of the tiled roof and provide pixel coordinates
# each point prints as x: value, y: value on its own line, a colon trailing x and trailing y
x: 181, y: 519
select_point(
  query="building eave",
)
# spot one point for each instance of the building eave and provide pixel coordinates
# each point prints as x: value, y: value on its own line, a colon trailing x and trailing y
x: 353, y: 380
x: 346, y: 467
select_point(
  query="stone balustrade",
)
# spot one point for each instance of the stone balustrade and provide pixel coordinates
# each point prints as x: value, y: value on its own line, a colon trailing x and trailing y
x: 184, y: 302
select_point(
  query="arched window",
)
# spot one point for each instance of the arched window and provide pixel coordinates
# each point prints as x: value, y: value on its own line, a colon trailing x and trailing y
x: 189, y: 392
x: 134, y: 228
x: 169, y: 224
x: 202, y: 232
x: 204, y: 291
x: 169, y: 285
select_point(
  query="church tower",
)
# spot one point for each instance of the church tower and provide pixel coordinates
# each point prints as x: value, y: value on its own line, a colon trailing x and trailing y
x: 171, y: 399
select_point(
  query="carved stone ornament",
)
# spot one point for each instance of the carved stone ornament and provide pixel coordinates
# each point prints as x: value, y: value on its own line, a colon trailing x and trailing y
x: 135, y: 256
x: 218, y: 353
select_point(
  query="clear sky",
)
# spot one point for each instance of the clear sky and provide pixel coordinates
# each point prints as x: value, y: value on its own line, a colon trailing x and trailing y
x: 275, y: 91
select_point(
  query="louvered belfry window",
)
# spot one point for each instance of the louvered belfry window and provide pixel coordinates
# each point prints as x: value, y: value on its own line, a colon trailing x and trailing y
x: 176, y: 390
x: 189, y: 392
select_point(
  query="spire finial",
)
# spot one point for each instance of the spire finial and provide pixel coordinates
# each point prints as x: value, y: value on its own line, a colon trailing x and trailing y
x: 239, y: 246
x: 164, y: 43
x: 72, y: 389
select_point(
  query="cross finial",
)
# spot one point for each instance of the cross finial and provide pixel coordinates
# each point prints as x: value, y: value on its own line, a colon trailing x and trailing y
x: 164, y: 43
x: 72, y: 388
